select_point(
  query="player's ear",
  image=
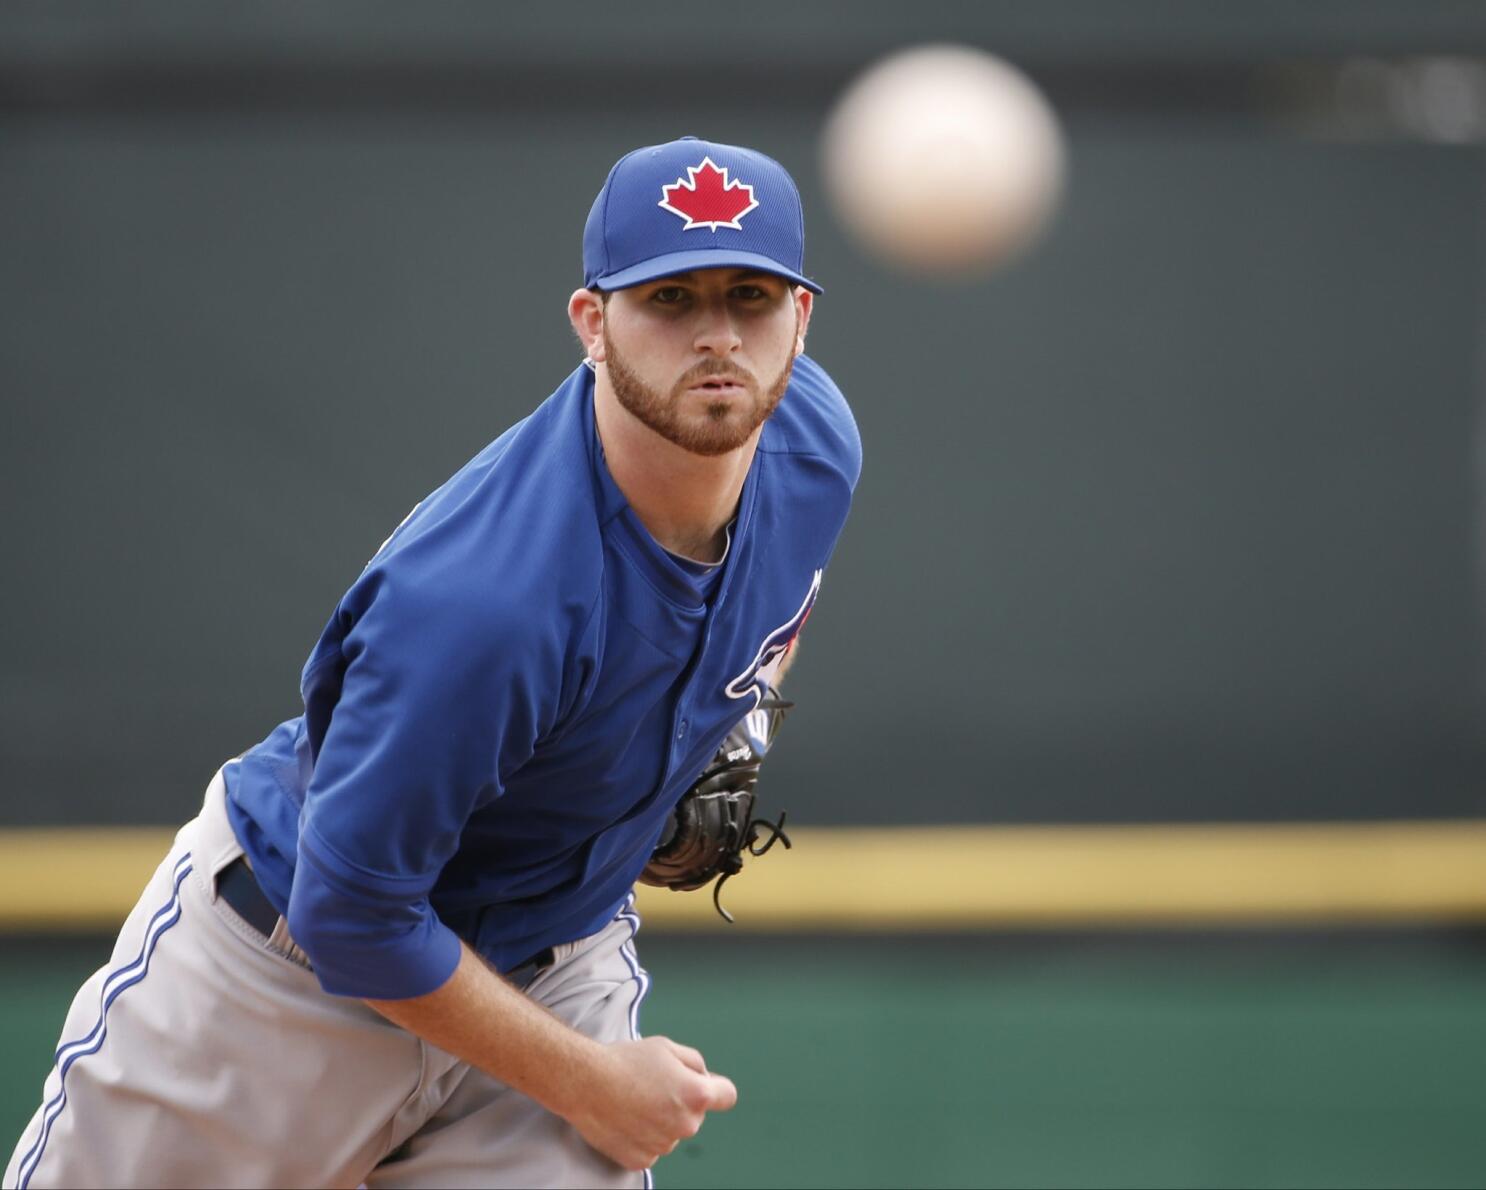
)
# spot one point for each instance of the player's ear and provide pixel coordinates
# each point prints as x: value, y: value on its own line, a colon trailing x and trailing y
x: 586, y: 316
x: 804, y: 304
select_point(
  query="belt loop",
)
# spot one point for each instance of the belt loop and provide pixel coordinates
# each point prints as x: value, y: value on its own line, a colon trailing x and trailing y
x: 281, y: 942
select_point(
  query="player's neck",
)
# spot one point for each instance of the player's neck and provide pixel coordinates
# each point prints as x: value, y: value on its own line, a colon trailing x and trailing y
x: 684, y: 500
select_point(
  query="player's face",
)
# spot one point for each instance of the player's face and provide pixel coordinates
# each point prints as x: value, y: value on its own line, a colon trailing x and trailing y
x: 703, y: 358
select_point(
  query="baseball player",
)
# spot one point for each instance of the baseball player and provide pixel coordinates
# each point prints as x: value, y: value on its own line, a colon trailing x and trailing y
x: 396, y: 947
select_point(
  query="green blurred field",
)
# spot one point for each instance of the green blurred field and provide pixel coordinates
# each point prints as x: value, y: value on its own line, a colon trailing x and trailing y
x: 1258, y: 1060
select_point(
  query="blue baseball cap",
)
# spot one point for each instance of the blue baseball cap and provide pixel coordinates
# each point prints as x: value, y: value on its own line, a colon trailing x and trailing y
x: 694, y: 204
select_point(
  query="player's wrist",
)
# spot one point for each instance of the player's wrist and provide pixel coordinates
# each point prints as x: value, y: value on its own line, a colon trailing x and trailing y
x: 569, y: 1086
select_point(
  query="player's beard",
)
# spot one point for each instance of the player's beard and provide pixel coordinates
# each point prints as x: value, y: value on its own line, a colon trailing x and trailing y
x: 725, y: 427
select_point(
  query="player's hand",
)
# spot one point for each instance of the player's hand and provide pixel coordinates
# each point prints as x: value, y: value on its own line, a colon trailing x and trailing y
x: 648, y: 1097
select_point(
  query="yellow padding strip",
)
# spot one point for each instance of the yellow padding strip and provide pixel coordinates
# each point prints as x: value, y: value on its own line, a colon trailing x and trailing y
x: 75, y: 878
x: 1061, y: 876
x: 959, y: 877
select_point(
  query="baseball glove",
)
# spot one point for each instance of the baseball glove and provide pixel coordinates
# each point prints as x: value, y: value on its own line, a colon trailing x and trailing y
x: 713, y: 825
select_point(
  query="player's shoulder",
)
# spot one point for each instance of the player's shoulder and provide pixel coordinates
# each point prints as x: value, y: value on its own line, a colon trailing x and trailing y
x: 814, y: 420
x: 512, y: 540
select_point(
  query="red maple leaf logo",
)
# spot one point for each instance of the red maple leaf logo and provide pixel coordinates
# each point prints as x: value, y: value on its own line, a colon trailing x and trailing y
x: 707, y: 199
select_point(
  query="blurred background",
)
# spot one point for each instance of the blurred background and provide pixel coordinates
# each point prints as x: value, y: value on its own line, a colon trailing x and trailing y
x: 1162, y: 591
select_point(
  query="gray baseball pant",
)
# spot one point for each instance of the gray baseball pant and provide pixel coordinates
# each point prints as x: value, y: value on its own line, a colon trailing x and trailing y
x: 206, y: 1054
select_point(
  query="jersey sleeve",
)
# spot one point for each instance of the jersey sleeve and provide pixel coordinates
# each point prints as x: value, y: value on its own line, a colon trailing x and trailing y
x: 443, y: 695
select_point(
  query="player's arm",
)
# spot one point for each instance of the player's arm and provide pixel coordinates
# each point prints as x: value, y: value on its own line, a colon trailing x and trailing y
x: 632, y: 1100
x: 444, y: 694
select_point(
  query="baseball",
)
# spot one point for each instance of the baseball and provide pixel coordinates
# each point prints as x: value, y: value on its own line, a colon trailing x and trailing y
x: 944, y: 159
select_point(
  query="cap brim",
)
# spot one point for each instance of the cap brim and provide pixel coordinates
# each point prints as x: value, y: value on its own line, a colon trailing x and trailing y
x: 701, y: 258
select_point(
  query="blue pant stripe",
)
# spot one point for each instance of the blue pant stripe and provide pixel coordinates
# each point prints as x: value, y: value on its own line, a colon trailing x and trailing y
x: 126, y: 977
x: 120, y: 975
x: 632, y: 960
x: 642, y: 985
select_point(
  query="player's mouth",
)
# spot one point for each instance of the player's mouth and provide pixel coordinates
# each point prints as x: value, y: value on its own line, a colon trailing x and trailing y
x: 719, y: 387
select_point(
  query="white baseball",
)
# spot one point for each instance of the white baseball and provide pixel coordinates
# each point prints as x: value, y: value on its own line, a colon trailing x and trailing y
x: 944, y: 159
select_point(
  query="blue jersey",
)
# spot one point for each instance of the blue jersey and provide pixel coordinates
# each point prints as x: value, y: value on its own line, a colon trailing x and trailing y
x: 505, y: 706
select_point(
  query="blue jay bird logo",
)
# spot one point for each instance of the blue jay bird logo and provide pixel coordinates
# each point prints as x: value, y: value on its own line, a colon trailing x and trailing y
x: 763, y: 670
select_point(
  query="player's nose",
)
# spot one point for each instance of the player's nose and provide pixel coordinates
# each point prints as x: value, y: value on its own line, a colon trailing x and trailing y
x: 716, y: 331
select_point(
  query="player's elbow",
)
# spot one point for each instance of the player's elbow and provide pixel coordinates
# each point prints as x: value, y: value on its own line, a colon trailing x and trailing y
x: 306, y: 927
x: 373, y: 951
x: 329, y: 937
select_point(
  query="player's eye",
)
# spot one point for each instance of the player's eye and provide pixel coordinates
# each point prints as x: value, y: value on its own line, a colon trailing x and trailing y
x: 668, y: 295
x: 749, y: 293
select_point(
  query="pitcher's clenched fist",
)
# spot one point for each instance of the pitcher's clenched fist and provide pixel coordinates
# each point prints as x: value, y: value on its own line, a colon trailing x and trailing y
x: 650, y: 1096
